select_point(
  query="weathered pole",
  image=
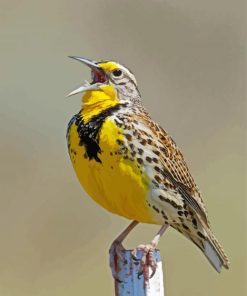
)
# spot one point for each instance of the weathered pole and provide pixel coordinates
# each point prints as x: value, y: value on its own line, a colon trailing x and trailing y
x: 131, y: 283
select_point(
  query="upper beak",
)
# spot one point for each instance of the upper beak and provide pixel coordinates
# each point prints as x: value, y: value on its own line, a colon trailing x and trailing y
x: 92, y: 65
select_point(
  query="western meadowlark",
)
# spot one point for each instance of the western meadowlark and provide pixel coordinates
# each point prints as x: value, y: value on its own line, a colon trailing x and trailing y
x: 130, y: 166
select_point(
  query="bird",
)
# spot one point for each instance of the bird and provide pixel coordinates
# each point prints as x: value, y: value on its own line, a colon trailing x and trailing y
x: 132, y: 167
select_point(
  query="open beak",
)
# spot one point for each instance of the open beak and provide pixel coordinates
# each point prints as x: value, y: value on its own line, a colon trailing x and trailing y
x: 99, y: 77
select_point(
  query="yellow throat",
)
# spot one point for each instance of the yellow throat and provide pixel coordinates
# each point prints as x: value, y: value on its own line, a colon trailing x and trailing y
x: 97, y: 101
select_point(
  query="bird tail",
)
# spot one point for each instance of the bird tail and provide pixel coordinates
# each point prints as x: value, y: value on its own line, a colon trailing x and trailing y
x: 214, y: 252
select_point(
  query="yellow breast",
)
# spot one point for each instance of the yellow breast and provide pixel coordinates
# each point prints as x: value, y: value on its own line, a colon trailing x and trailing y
x: 115, y: 183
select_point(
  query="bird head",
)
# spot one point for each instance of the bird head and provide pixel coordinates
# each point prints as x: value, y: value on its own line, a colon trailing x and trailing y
x: 109, y: 76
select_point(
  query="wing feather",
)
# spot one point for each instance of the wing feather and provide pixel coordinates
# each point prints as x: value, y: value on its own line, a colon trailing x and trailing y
x: 175, y: 168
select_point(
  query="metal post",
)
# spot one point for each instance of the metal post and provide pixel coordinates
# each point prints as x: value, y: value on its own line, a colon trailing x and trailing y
x: 130, y: 284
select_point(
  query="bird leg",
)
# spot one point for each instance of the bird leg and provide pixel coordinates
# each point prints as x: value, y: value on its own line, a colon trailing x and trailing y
x: 148, y: 259
x: 116, y: 249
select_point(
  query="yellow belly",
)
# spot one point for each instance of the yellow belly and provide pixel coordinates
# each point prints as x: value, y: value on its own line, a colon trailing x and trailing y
x: 115, y: 183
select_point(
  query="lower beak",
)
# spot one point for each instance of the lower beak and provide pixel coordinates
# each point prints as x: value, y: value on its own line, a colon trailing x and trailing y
x: 84, y: 88
x: 87, y: 87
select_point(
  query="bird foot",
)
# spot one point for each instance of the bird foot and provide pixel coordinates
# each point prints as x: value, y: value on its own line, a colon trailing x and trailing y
x: 115, y: 252
x: 147, y: 261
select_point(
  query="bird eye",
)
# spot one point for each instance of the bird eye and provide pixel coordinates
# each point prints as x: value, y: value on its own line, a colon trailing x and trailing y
x: 117, y: 73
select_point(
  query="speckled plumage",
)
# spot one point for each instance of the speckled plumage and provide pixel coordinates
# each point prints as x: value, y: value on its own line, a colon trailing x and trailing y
x: 123, y: 139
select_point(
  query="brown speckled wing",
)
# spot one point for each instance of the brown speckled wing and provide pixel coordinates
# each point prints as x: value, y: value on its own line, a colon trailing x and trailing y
x: 174, y: 166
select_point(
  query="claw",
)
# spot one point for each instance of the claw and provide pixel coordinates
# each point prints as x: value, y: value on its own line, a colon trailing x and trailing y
x: 140, y: 273
x: 153, y: 273
x: 133, y: 255
x: 135, y: 258
x: 147, y: 260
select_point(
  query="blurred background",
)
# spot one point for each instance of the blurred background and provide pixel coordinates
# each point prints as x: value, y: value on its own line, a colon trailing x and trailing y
x: 189, y: 59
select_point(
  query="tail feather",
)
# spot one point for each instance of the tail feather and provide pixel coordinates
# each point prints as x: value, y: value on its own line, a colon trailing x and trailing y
x: 204, y: 239
x: 214, y: 252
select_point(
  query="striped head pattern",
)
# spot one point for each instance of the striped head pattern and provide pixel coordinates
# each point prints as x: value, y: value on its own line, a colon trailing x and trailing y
x: 110, y: 76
